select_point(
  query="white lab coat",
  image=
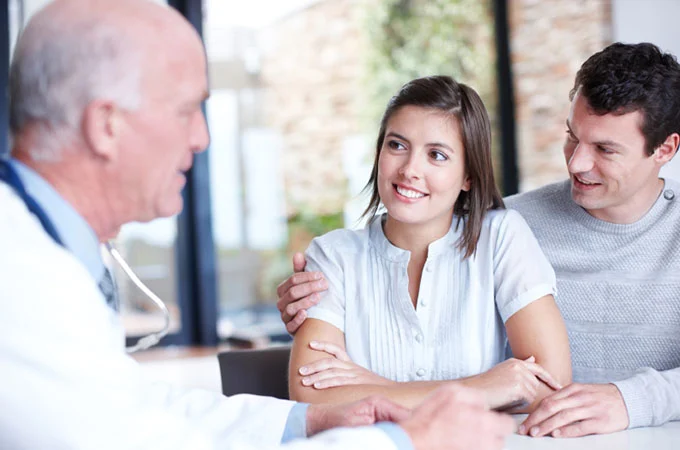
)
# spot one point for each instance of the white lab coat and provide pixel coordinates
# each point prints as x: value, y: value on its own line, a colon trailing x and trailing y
x: 66, y: 381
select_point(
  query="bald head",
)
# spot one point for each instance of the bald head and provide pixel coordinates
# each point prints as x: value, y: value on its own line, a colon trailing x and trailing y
x: 76, y: 51
x: 146, y: 23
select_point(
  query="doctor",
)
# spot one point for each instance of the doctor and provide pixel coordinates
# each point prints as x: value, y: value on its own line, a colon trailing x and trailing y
x: 106, y: 116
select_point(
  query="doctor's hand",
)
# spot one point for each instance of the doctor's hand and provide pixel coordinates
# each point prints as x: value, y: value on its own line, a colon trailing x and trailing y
x: 299, y: 293
x: 578, y: 410
x: 321, y: 417
x: 456, y: 417
x: 339, y: 370
x: 512, y: 382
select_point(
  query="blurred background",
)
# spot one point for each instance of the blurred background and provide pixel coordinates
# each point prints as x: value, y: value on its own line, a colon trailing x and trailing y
x: 297, y: 91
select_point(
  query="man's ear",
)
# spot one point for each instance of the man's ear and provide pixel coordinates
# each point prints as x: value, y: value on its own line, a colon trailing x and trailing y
x: 665, y: 152
x: 101, y: 128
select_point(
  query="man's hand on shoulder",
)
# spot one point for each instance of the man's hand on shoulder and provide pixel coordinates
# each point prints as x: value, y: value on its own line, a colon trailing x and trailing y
x: 299, y: 293
x: 578, y: 410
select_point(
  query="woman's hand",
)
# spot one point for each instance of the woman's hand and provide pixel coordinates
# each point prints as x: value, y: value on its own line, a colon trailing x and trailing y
x: 513, y: 382
x: 339, y: 370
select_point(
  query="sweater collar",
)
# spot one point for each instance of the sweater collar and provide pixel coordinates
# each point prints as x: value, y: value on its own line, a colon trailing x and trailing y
x: 669, y: 194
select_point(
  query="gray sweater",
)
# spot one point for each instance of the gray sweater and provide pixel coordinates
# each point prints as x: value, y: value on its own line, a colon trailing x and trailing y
x: 618, y: 287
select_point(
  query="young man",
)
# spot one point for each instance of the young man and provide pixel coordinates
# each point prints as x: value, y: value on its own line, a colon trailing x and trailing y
x: 610, y: 233
x: 106, y: 118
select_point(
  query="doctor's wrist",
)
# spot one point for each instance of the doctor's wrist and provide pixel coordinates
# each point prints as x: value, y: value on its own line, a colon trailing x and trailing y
x: 316, y: 419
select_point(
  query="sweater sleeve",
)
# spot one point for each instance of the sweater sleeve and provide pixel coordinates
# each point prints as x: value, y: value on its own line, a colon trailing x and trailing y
x: 652, y: 397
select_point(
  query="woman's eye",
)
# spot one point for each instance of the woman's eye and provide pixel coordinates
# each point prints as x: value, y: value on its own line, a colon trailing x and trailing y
x: 395, y: 145
x: 438, y: 156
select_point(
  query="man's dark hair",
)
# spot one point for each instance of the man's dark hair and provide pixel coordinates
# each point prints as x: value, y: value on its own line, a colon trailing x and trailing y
x: 624, y: 78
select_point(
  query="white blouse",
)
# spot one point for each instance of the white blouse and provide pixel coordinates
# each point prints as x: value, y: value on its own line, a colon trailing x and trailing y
x: 457, y: 328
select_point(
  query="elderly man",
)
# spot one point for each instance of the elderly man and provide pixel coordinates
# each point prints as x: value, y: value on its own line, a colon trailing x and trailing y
x: 611, y: 233
x: 106, y: 117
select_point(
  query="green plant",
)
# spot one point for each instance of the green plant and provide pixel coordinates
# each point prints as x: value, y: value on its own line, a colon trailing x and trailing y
x: 302, y: 228
x: 408, y: 39
x: 315, y: 224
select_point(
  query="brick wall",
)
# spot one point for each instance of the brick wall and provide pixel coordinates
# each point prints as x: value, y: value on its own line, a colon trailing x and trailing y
x: 549, y: 41
x: 312, y: 68
x: 311, y: 75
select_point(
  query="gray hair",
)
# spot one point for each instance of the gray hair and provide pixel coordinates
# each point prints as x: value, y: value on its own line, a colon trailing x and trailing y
x: 59, y: 67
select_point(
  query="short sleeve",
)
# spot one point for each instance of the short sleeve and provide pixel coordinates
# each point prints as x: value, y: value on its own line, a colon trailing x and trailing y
x: 331, y: 307
x: 522, y: 273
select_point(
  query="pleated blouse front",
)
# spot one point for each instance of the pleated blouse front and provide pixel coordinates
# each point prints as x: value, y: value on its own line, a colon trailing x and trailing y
x: 457, y: 328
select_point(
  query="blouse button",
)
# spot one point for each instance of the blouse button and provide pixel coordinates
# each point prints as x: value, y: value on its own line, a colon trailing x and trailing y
x: 419, y: 337
x: 668, y: 194
x: 428, y: 267
x: 420, y: 372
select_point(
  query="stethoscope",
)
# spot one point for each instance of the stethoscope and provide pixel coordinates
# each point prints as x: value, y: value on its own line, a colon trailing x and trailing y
x: 9, y: 176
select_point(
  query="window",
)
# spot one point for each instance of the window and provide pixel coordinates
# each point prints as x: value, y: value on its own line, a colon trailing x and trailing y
x: 298, y: 87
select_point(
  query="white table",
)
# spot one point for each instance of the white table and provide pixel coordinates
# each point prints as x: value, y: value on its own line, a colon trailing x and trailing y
x: 203, y: 372
x: 666, y: 437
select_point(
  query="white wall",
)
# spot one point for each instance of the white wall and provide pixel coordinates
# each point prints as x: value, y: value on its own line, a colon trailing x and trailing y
x: 654, y: 21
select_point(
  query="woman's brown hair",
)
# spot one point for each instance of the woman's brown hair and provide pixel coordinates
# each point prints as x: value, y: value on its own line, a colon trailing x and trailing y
x: 444, y: 94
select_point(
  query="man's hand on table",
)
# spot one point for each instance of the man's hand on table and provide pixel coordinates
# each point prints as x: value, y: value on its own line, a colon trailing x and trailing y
x: 322, y: 417
x: 453, y: 417
x: 457, y: 418
x: 578, y: 410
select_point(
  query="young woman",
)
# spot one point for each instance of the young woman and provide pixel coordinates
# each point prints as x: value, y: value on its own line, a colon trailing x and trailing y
x: 433, y: 290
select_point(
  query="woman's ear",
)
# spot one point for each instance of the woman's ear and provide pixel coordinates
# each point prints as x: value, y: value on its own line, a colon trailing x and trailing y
x: 466, y: 184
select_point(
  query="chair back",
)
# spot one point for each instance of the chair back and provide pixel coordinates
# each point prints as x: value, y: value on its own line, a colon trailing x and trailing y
x: 261, y: 372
